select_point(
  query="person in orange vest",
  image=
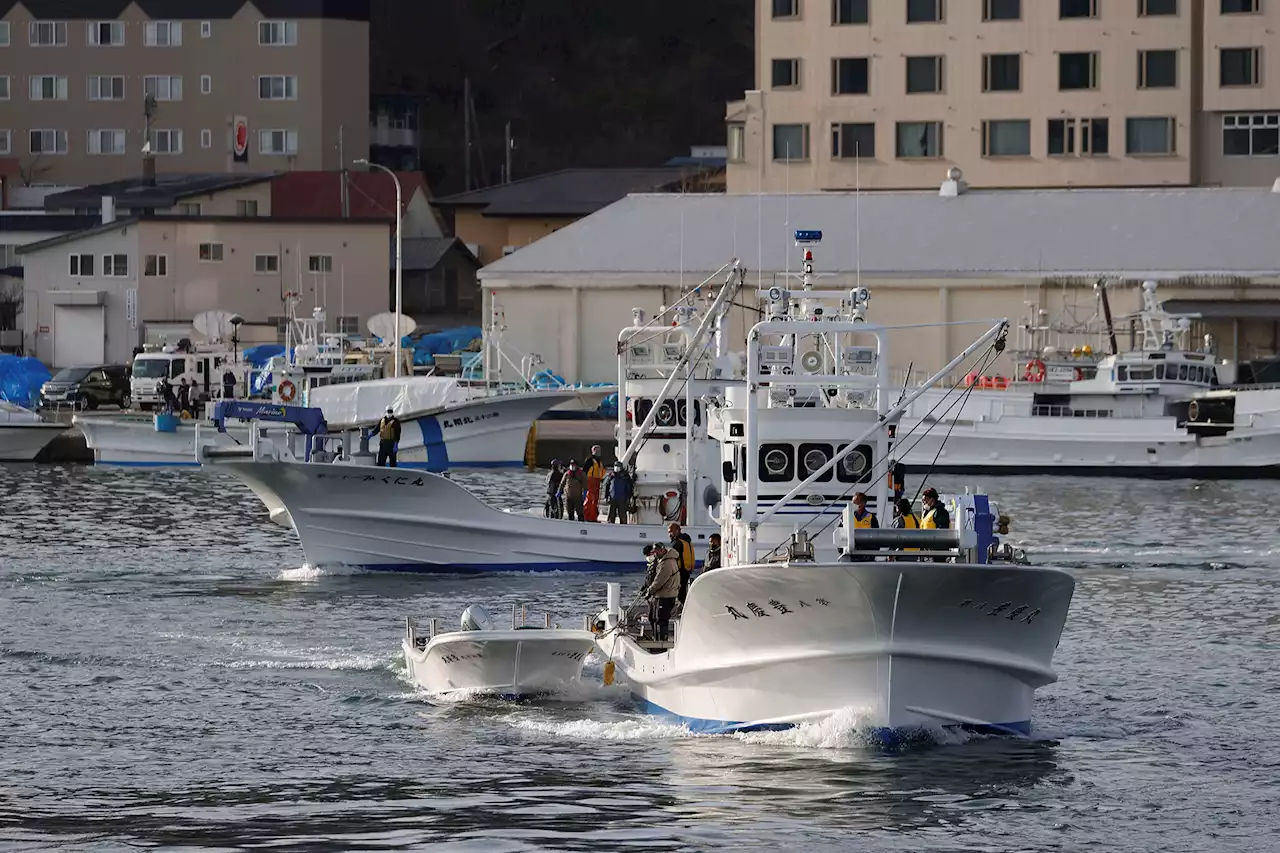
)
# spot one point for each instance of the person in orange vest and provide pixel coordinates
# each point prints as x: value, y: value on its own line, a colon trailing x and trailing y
x: 595, y: 471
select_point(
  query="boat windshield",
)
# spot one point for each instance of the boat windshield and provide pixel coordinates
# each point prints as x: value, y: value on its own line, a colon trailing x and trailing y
x: 71, y: 374
x: 151, y: 368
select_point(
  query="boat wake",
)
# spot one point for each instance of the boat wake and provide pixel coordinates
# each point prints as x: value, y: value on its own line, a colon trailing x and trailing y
x: 307, y: 572
x: 349, y: 663
x: 641, y: 729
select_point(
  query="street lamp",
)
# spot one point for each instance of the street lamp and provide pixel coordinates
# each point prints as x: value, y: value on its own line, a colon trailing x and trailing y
x: 399, y: 293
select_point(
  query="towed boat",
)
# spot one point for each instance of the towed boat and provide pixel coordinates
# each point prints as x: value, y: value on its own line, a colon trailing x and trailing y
x: 23, y: 434
x: 815, y: 611
x: 517, y: 662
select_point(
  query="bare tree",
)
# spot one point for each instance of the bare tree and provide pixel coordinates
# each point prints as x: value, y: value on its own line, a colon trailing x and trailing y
x: 10, y: 302
x: 30, y: 171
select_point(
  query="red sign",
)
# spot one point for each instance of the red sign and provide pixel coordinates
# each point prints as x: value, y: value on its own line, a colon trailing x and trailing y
x: 240, y: 139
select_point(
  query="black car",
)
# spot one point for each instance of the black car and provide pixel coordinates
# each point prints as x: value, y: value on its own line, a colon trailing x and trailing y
x: 88, y: 387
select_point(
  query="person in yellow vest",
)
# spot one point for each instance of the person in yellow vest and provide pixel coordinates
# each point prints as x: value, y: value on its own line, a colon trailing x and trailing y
x: 388, y: 439
x: 906, y: 520
x: 596, y: 472
x: 936, y: 516
x: 863, y: 518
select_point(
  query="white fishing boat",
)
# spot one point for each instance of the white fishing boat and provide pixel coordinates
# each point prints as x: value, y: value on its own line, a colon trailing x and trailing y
x: 814, y: 614
x: 480, y: 658
x: 347, y: 514
x: 23, y: 434
x: 1160, y: 410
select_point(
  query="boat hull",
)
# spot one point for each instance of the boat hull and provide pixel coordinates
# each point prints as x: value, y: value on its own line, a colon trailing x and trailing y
x: 398, y: 520
x: 23, y: 442
x: 517, y: 663
x: 905, y: 645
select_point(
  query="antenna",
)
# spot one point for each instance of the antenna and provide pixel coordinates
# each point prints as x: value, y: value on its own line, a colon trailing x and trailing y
x: 214, y: 325
x: 383, y: 326
x: 857, y: 213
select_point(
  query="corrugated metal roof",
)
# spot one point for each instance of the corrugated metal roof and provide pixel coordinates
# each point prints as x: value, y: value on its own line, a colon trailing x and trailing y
x: 569, y: 192
x: 369, y: 194
x: 1054, y: 232
x: 424, y: 253
x: 167, y: 190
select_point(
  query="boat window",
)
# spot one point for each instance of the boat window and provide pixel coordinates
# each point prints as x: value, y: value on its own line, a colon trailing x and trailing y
x: 1138, y: 374
x: 856, y: 467
x: 1182, y: 371
x: 777, y: 462
x: 1122, y: 374
x: 813, y: 457
x: 1159, y: 371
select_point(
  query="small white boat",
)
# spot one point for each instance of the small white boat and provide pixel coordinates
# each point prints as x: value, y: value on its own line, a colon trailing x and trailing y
x: 23, y: 434
x: 516, y: 662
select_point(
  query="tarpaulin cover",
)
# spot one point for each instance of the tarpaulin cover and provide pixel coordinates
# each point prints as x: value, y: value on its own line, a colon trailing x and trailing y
x: 20, y: 380
x: 427, y: 347
x: 367, y: 402
x: 261, y: 354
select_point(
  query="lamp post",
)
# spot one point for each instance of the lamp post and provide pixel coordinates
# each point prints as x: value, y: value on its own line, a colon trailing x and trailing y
x: 399, y: 292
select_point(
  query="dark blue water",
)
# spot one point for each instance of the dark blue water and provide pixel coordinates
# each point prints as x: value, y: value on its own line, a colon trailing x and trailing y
x: 170, y: 677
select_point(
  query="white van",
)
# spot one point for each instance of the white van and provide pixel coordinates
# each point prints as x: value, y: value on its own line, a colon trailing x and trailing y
x: 203, y: 370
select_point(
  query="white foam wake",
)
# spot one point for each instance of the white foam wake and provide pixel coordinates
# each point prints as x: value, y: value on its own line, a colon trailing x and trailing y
x: 645, y: 729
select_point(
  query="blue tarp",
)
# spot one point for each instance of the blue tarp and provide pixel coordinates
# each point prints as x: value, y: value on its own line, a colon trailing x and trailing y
x: 427, y: 347
x: 261, y: 354
x: 20, y: 380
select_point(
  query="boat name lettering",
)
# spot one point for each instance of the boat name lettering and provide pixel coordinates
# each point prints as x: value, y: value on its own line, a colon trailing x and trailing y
x: 756, y: 609
x: 467, y: 419
x: 1014, y: 615
x: 369, y: 478
x: 759, y: 612
x: 456, y: 658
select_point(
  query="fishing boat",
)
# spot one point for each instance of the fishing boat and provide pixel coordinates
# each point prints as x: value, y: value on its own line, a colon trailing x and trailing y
x: 813, y: 613
x: 350, y: 515
x: 515, y: 663
x: 23, y: 434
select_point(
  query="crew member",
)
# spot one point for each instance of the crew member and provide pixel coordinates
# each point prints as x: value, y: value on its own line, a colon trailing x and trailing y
x: 166, y: 393
x: 897, y: 479
x: 388, y: 439
x: 682, y: 545
x: 936, y: 516
x: 863, y: 518
x: 555, y: 505
x: 620, y: 489
x: 184, y: 396
x: 573, y: 486
x: 664, y: 589
x: 906, y: 520
x: 712, y: 560
x: 595, y: 472
x: 228, y: 385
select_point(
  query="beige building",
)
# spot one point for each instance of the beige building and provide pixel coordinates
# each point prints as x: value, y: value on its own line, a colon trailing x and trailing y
x: 89, y: 296
x: 72, y: 89
x: 885, y: 94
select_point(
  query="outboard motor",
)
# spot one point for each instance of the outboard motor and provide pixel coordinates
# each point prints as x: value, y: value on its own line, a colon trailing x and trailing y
x: 476, y: 618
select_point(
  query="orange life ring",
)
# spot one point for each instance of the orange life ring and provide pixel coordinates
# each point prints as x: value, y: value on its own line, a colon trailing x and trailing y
x: 287, y: 391
x: 1000, y: 383
x: 1035, y: 371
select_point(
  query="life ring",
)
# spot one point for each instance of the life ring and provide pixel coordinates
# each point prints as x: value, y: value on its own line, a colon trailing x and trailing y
x: 1035, y: 371
x: 1079, y: 374
x: 287, y: 391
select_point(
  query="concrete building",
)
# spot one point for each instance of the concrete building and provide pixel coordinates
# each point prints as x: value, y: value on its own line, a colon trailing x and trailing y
x: 74, y: 75
x: 1018, y: 93
x: 926, y: 258
x: 90, y: 296
x: 178, y: 194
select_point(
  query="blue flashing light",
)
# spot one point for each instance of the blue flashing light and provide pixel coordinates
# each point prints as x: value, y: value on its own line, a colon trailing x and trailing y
x: 804, y: 237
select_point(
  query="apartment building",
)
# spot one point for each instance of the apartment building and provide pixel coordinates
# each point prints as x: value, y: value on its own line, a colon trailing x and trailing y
x: 230, y: 85
x: 889, y: 94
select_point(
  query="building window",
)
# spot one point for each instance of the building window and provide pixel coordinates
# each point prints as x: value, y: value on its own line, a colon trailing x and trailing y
x: 1077, y: 71
x: 853, y: 141
x: 1006, y: 138
x: 189, y: 209
x: 115, y: 266
x: 277, y: 33
x: 1157, y: 69
x: 105, y: 33
x: 349, y: 325
x: 46, y: 87
x: 4, y: 33
x: 1002, y: 72
x: 4, y: 88
x: 206, y: 29
x: 47, y: 34
x: 786, y: 8
x: 1152, y: 8
x: 1002, y: 10
x: 163, y: 88
x: 924, y: 74
x: 924, y: 11
x: 6, y: 144
x: 849, y: 11
x: 919, y: 139
x: 786, y: 73
x: 82, y: 266
x: 211, y: 252
x: 206, y: 84
x: 320, y: 263
x: 1238, y: 66
x: 278, y: 141
x: 266, y: 264
x: 1241, y: 7
x: 106, y: 142
x: 1077, y: 9
x: 48, y: 142
x: 737, y: 142
x: 791, y: 142
x: 206, y: 138
x: 850, y: 75
x: 166, y: 142
x: 1155, y: 135
x: 246, y: 207
x: 1251, y: 135
x: 154, y: 266
x: 162, y: 33
x: 1095, y: 136
x: 1062, y: 137
x: 278, y: 88
x: 103, y: 88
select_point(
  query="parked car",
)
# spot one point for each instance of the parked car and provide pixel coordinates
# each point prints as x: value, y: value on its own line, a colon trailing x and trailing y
x: 87, y: 387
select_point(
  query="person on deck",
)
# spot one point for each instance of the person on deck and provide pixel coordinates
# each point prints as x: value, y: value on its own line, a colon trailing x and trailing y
x: 936, y: 516
x: 897, y: 479
x: 228, y: 385
x: 184, y: 396
x: 595, y: 472
x: 712, y: 560
x: 664, y: 589
x: 388, y: 439
x: 906, y: 520
x: 573, y: 486
x: 865, y: 519
x: 619, y: 491
x: 555, y: 506
x: 166, y: 394
x: 682, y: 545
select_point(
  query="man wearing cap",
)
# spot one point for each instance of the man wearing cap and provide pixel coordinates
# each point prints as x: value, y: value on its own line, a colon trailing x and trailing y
x: 595, y: 472
x: 935, y: 517
x: 388, y: 439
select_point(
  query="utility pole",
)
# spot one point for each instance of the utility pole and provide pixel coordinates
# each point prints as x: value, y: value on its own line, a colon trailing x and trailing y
x: 466, y: 128
x: 343, y: 197
x: 510, y: 146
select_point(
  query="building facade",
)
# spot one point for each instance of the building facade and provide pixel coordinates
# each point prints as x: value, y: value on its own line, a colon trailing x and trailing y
x: 76, y: 78
x: 89, y: 296
x: 885, y: 94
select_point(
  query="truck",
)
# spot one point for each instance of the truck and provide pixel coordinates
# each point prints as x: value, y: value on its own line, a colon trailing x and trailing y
x: 169, y: 364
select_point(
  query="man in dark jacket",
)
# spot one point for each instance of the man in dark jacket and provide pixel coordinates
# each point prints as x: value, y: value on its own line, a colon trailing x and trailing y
x: 712, y: 560
x: 228, y: 385
x: 555, y: 505
x: 664, y: 589
x: 682, y: 545
x: 388, y: 439
x: 574, y: 488
x: 619, y: 491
